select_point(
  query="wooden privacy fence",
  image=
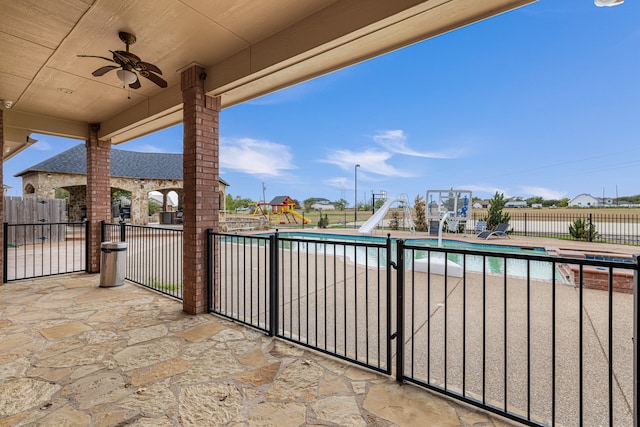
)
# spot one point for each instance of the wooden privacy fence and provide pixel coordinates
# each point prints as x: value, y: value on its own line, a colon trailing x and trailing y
x: 37, y: 211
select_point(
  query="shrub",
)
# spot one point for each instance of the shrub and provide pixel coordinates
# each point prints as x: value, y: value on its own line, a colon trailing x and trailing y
x: 421, y: 221
x: 495, y: 215
x: 582, y: 230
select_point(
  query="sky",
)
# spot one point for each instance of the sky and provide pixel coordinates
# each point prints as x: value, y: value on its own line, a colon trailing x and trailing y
x: 540, y: 101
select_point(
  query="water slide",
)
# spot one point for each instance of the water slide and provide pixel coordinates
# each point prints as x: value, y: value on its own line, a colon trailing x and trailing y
x: 377, y: 217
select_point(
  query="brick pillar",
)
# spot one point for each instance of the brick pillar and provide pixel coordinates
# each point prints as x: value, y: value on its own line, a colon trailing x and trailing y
x: 201, y: 182
x: 2, y: 236
x: 98, y: 193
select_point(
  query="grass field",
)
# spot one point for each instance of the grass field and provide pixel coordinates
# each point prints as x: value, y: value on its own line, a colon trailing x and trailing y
x: 338, y: 218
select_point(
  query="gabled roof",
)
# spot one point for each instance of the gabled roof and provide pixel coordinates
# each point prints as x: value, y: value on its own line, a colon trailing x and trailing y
x: 281, y: 200
x: 125, y: 164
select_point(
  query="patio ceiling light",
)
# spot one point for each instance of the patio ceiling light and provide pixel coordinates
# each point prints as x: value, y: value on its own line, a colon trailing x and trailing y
x: 127, y: 77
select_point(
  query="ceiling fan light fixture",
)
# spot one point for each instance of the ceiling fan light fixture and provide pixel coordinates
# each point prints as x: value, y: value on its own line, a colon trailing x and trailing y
x: 127, y: 77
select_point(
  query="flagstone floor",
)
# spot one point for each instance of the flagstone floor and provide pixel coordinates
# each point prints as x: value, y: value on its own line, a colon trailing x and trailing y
x: 75, y: 354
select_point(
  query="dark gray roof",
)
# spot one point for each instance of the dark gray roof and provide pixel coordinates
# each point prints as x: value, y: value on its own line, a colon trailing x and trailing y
x: 126, y: 164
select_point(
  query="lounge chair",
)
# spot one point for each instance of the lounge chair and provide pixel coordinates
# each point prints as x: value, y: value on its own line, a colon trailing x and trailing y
x: 500, y: 231
x: 480, y: 226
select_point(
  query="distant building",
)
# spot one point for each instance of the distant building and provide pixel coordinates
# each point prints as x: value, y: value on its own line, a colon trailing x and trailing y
x: 323, y: 205
x: 481, y: 204
x: 587, y: 201
x: 516, y: 204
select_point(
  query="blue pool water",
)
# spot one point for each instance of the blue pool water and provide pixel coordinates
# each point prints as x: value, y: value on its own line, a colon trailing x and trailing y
x: 362, y: 255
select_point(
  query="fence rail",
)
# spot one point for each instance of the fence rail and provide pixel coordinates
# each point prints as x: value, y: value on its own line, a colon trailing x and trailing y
x: 511, y: 333
x: 154, y: 255
x: 608, y: 228
x: 44, y: 249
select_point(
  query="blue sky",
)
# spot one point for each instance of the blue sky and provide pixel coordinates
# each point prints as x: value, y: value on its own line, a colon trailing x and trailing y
x: 540, y: 101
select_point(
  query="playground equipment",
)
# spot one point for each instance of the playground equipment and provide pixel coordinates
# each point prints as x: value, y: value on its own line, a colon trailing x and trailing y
x: 280, y: 210
x: 378, y: 217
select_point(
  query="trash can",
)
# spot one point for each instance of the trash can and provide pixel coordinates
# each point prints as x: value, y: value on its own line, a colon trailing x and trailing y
x: 114, y: 262
x: 166, y: 217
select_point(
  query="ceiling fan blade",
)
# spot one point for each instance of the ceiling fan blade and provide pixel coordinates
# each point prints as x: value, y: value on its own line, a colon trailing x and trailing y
x: 150, y: 67
x: 94, y: 56
x: 154, y: 78
x: 104, y: 70
x: 135, y: 85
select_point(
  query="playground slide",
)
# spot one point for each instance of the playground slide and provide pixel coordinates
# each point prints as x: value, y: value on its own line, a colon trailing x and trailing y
x: 377, y: 217
x: 297, y: 215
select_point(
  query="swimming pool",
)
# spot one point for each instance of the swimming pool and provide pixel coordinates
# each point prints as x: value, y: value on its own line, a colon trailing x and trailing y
x: 339, y: 245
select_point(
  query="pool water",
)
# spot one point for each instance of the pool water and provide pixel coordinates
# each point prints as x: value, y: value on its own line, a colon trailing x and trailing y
x: 371, y: 256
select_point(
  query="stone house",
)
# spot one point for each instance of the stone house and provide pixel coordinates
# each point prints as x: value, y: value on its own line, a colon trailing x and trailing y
x: 135, y: 172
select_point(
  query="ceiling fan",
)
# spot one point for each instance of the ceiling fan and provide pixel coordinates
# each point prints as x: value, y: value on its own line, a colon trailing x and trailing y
x: 128, y: 65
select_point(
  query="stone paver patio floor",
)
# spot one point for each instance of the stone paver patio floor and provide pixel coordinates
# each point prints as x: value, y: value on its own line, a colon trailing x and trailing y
x: 75, y: 354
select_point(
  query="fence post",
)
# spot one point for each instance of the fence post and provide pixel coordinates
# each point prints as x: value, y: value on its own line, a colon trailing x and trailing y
x: 86, y: 242
x: 525, y: 223
x: 636, y: 314
x: 400, y: 311
x: 103, y: 230
x: 591, y: 227
x: 5, y: 252
x: 390, y: 265
x: 123, y: 232
x: 210, y: 264
x: 273, y: 284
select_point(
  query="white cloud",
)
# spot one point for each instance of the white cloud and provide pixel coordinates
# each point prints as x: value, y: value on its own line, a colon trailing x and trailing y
x: 545, y: 193
x: 42, y: 146
x: 370, y: 161
x: 149, y: 148
x: 255, y: 157
x: 396, y: 142
x: 339, y: 182
x: 485, y: 189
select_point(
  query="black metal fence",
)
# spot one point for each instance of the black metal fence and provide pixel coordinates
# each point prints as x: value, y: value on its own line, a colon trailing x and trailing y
x: 44, y: 249
x: 327, y: 295
x: 154, y: 255
x: 606, y: 228
x: 531, y: 337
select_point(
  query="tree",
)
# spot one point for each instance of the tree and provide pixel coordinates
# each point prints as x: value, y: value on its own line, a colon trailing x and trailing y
x: 421, y: 219
x: 564, y: 202
x: 233, y: 204
x: 307, y: 204
x: 340, y: 204
x: 395, y: 220
x: 61, y: 193
x: 154, y: 207
x: 495, y: 215
x: 535, y: 200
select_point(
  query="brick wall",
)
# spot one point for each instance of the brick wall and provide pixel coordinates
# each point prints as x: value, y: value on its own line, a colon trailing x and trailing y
x: 98, y: 193
x: 201, y: 185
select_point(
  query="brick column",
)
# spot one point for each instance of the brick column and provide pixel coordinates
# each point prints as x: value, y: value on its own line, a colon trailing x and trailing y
x: 200, y: 175
x: 2, y: 236
x: 98, y: 193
